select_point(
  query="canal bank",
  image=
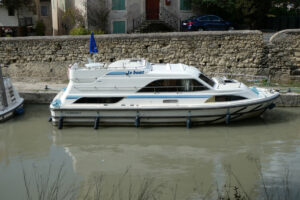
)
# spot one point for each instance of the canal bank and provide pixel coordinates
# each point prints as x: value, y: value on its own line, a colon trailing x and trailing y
x: 44, y: 92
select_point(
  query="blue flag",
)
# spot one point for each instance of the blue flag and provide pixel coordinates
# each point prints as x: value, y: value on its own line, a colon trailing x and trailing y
x: 93, y: 46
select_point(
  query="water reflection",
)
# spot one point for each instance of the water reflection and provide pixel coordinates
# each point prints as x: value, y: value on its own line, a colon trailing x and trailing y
x: 194, y: 159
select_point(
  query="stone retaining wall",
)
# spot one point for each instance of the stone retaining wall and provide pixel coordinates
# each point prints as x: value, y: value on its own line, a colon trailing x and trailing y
x: 284, y: 55
x: 46, y: 58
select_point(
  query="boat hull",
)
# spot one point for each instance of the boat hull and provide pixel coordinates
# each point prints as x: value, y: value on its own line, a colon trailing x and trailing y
x: 158, y: 116
x: 12, y: 111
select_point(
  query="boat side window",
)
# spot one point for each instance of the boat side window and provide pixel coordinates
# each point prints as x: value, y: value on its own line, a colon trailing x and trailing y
x: 100, y: 100
x: 207, y: 80
x: 224, y: 98
x: 173, y: 85
x: 228, y: 98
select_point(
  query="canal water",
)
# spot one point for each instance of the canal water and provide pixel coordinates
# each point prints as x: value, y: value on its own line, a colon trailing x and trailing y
x: 257, y: 158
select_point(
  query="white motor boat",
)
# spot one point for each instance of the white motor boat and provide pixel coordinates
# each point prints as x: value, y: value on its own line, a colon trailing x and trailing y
x: 10, y: 102
x: 136, y: 92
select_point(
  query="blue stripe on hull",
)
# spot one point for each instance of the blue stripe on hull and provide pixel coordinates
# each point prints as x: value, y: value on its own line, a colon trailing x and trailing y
x: 116, y: 73
x: 73, y: 97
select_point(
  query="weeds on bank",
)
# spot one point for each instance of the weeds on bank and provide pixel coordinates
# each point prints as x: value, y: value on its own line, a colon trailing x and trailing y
x: 48, y: 186
x: 98, y: 189
x: 53, y: 185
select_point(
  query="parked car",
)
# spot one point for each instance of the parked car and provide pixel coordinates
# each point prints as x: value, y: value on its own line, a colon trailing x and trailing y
x: 206, y: 23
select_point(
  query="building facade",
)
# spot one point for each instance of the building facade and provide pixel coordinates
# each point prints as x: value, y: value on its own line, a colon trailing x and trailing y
x: 59, y: 8
x: 22, y: 22
x: 124, y: 16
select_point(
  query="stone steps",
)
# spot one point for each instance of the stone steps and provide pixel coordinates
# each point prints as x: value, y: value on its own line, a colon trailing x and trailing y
x: 153, y: 26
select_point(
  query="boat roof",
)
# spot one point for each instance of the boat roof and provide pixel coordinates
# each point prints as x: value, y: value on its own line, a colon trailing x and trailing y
x: 178, y: 69
x: 130, y: 64
x: 143, y: 65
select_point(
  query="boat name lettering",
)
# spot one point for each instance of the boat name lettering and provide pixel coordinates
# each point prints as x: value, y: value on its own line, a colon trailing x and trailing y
x: 135, y: 72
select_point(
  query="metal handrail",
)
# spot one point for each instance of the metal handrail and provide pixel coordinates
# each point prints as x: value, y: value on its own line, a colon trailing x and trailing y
x: 136, y: 22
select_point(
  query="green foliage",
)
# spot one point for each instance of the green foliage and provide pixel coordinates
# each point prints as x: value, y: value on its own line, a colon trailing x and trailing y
x: 16, y: 4
x: 83, y: 31
x: 250, y: 12
x: 79, y: 31
x: 97, y: 14
x: 72, y: 18
x: 280, y: 8
x: 253, y: 12
x: 40, y: 28
x: 97, y: 32
x: 223, y: 8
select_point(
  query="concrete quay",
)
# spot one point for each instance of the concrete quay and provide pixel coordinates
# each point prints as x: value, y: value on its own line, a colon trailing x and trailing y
x: 44, y: 92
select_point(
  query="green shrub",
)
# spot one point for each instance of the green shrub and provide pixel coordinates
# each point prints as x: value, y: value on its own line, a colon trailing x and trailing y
x: 83, y: 31
x: 79, y: 31
x: 40, y: 28
x: 97, y: 32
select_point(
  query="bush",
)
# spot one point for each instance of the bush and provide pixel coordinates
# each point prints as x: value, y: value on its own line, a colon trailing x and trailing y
x: 97, y: 32
x: 79, y: 31
x: 40, y: 28
x: 83, y: 31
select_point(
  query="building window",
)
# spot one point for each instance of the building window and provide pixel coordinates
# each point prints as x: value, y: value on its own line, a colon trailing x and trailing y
x: 118, y: 4
x: 44, y: 11
x: 185, y: 4
x: 11, y: 12
x: 119, y: 27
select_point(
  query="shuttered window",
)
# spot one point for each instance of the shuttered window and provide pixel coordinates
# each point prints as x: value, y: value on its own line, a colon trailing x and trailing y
x: 185, y: 4
x: 118, y: 4
x: 119, y: 27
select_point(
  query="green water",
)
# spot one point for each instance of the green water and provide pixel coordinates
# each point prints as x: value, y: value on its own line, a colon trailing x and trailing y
x: 186, y: 163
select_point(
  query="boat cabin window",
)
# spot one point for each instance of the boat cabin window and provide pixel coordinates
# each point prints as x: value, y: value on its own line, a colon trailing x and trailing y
x: 224, y: 98
x: 207, y: 80
x: 173, y: 85
x: 101, y: 100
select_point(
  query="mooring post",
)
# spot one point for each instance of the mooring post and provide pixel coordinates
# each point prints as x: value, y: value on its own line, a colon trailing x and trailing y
x: 2, y: 89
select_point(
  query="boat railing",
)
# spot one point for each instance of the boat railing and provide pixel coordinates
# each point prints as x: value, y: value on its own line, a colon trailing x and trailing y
x: 246, y: 78
x: 155, y: 89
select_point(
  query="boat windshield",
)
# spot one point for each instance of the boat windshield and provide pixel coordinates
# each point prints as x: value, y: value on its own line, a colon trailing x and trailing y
x: 207, y: 80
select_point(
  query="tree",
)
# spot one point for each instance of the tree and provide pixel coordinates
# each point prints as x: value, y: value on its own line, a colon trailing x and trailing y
x: 285, y: 7
x: 249, y: 12
x: 17, y: 4
x: 73, y: 17
x: 253, y: 12
x: 97, y: 14
x: 223, y: 8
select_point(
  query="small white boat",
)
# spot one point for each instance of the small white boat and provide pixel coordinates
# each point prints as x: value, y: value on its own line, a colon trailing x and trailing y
x: 136, y: 92
x: 11, y: 103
